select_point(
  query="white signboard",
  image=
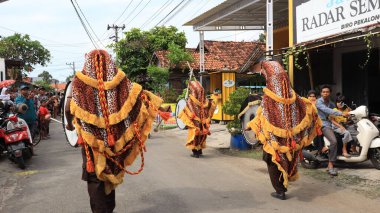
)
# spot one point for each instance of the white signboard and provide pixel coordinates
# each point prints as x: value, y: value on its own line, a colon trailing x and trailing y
x: 228, y: 83
x: 320, y: 18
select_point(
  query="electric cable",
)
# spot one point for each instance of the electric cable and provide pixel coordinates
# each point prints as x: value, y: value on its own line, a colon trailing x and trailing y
x: 88, y: 23
x: 151, y: 18
x: 84, y: 26
x: 179, y: 4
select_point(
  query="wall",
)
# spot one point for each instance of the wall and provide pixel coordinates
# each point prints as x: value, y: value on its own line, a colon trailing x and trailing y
x: 2, y: 69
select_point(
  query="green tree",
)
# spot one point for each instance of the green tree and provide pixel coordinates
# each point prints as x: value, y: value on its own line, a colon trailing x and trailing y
x: 69, y: 78
x: 262, y: 37
x: 21, y: 47
x: 134, y: 52
x: 45, y: 75
x: 158, y: 78
x: 45, y: 85
x: 232, y: 107
x: 178, y: 54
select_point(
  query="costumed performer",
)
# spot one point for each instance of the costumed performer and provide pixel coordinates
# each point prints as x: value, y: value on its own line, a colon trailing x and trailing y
x: 113, y: 117
x: 197, y: 116
x: 284, y: 124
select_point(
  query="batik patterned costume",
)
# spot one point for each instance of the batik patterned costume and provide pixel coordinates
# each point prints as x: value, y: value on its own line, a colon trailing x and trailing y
x: 197, y: 116
x: 284, y: 123
x: 113, y: 117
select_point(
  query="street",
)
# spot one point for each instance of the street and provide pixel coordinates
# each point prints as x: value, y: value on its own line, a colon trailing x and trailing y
x: 172, y: 181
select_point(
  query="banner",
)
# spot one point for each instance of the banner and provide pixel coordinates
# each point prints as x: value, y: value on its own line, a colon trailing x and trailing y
x: 321, y: 18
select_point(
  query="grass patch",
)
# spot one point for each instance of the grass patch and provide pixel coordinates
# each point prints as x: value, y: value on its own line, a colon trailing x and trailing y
x: 368, y: 188
x: 256, y: 153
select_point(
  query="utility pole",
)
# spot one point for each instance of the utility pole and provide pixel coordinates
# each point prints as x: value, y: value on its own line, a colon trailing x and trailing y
x: 116, y: 28
x: 72, y: 65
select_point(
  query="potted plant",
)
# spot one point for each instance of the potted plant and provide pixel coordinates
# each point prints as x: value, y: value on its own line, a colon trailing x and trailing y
x: 232, y: 107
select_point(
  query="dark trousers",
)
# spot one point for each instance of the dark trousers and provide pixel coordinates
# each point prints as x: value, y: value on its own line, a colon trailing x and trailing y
x: 99, y: 201
x: 275, y: 175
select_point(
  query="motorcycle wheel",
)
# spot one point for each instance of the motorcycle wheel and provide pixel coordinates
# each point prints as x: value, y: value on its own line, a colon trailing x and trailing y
x: 20, y: 162
x: 309, y: 164
x: 375, y: 157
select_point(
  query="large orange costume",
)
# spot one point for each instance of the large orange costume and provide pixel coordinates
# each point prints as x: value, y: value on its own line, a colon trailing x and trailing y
x: 113, y: 117
x: 197, y: 117
x: 284, y: 124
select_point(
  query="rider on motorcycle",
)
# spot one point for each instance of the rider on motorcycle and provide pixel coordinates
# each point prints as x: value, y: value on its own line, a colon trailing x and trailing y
x: 325, y: 109
x: 339, y: 123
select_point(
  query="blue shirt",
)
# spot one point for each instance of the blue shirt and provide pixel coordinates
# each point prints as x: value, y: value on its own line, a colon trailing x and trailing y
x: 30, y: 115
x: 325, y: 110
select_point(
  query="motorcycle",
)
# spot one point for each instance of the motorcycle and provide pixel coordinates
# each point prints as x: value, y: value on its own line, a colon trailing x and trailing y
x: 368, y: 137
x: 15, y: 140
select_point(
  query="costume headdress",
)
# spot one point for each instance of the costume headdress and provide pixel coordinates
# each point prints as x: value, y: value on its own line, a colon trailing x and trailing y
x: 197, y: 116
x: 113, y: 117
x: 284, y: 122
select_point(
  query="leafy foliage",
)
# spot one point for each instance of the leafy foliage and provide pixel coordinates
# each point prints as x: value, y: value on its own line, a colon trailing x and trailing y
x: 169, y: 95
x: 69, y: 78
x: 45, y: 85
x: 233, y: 104
x: 177, y: 54
x: 45, y: 75
x: 158, y: 78
x: 232, y: 107
x: 21, y: 47
x: 262, y: 37
x: 182, y: 96
x: 134, y: 52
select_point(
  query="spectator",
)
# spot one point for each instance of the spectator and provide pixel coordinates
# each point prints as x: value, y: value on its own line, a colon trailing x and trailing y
x: 30, y: 115
x: 44, y: 118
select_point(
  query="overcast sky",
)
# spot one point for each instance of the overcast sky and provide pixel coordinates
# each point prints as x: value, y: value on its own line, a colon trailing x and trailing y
x: 55, y: 24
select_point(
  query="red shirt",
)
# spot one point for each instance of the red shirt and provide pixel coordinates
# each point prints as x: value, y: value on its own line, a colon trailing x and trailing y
x: 42, y: 112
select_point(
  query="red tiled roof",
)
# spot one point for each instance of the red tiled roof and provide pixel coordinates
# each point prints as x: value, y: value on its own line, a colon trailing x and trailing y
x: 219, y: 55
x: 59, y: 87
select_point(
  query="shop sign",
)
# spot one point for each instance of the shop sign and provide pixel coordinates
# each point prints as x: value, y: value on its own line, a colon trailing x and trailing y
x: 228, y: 83
x: 321, y: 18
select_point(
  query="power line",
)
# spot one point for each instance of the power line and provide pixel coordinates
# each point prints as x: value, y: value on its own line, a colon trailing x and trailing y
x: 139, y: 12
x: 38, y: 37
x: 200, y: 8
x: 179, y: 10
x: 129, y: 15
x: 84, y: 25
x: 156, y: 13
x: 88, y: 23
x: 170, y: 12
x: 132, y: 12
x: 123, y: 12
x: 102, y: 36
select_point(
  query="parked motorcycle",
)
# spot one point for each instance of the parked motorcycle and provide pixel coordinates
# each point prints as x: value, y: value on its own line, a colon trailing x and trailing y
x: 368, y: 138
x: 15, y: 140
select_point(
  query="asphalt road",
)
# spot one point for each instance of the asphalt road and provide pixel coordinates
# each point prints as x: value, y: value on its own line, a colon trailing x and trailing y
x: 172, y: 181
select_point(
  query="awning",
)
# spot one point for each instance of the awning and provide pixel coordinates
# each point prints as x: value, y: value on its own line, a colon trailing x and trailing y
x: 240, y: 15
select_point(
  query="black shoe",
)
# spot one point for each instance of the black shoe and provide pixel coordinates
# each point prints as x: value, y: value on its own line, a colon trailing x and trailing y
x: 280, y: 196
x: 200, y: 152
x: 194, y: 155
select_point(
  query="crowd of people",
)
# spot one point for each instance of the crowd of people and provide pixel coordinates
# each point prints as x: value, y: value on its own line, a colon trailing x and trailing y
x: 42, y: 105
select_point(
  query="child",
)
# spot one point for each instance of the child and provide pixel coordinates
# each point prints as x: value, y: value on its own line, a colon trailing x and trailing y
x: 44, y: 118
x: 340, y: 124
